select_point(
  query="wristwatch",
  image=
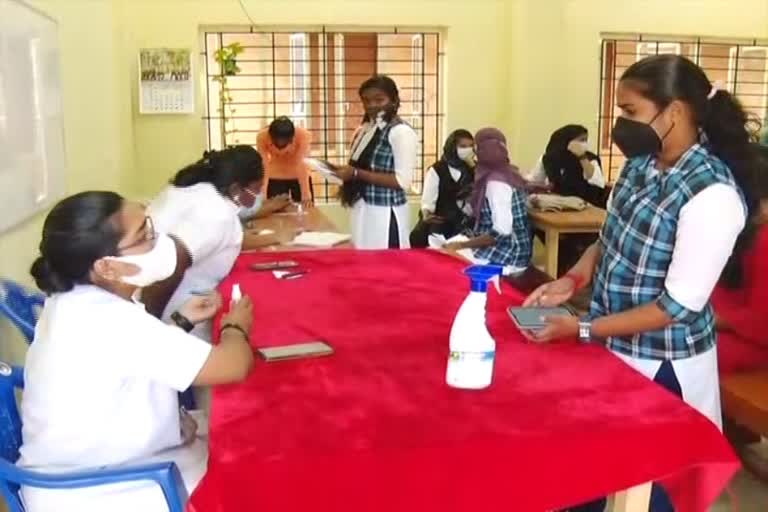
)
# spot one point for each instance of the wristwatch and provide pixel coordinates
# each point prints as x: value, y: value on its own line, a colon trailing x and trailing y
x: 182, y: 322
x: 585, y: 329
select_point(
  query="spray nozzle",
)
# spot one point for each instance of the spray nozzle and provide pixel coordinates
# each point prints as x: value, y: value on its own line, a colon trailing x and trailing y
x: 481, y: 274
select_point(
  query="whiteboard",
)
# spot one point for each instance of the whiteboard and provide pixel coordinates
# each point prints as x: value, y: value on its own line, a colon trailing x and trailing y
x: 32, y: 159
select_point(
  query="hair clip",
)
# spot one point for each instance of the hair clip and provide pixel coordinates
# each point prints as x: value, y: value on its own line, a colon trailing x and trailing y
x: 717, y: 85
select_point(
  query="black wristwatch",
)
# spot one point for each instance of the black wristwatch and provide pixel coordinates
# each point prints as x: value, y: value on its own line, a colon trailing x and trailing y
x: 182, y: 322
x: 585, y: 329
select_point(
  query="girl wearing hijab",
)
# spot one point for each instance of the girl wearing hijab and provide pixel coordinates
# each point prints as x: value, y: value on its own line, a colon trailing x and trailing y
x: 445, y: 207
x: 384, y: 153
x: 502, y: 233
x: 569, y: 168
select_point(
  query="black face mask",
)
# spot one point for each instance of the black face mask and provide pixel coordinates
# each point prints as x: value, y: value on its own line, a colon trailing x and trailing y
x: 635, y: 138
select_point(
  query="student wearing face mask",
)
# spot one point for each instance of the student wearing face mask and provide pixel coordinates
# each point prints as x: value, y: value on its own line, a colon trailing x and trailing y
x: 570, y: 168
x: 675, y: 214
x: 284, y: 147
x: 502, y: 230
x: 203, y: 209
x: 445, y: 207
x: 384, y: 154
x: 102, y: 377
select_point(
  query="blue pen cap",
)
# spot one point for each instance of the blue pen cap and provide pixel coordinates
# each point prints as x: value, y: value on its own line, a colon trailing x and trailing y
x: 479, y: 276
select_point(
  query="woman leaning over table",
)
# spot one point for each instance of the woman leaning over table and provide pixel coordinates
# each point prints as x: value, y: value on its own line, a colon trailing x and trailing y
x: 686, y: 186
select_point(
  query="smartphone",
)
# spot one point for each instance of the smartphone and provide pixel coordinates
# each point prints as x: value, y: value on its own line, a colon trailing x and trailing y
x: 273, y: 265
x: 530, y: 319
x: 298, y: 351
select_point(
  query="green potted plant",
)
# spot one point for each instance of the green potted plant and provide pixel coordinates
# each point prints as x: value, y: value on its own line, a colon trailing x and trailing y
x: 226, y: 58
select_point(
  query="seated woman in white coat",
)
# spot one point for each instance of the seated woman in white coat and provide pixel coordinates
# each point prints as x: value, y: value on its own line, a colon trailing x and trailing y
x: 203, y: 209
x: 502, y: 234
x: 384, y: 153
x: 102, y: 377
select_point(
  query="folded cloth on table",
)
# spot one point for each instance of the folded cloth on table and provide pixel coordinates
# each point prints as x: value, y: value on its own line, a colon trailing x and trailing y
x: 556, y: 203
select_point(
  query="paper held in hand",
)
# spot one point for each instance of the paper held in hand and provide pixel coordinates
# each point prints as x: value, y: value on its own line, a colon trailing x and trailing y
x: 324, y: 168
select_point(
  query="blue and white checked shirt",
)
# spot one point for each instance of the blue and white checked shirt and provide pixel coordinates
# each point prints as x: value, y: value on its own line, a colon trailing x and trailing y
x: 383, y: 160
x: 637, y: 242
x: 513, y: 249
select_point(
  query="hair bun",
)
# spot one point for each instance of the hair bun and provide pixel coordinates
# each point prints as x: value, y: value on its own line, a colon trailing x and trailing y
x: 47, y: 279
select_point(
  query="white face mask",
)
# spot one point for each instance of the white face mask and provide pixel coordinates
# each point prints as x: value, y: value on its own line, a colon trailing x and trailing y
x: 154, y: 266
x: 466, y: 154
x: 248, y: 212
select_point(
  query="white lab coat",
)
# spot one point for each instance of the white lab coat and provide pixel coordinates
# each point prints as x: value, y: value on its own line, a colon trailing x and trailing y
x: 101, y: 389
x: 208, y: 225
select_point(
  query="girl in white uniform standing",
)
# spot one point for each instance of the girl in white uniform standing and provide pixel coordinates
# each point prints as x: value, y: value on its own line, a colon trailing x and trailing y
x: 102, y: 377
x: 384, y: 154
x: 676, y: 211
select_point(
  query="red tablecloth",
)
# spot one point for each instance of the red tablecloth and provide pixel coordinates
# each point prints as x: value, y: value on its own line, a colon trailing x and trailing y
x: 375, y: 427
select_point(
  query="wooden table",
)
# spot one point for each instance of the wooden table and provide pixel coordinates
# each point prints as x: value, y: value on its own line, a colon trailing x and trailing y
x: 589, y: 220
x: 290, y: 221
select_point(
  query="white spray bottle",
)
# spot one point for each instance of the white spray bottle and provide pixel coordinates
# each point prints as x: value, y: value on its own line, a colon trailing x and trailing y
x: 472, y: 349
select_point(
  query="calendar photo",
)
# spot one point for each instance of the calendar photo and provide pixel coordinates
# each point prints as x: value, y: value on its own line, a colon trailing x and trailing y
x: 165, y: 81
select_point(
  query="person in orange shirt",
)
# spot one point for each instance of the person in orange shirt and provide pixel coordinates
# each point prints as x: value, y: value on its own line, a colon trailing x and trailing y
x: 284, y: 148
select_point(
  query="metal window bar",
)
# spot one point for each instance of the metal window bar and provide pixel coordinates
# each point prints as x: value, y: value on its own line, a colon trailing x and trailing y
x: 742, y: 64
x: 268, y: 85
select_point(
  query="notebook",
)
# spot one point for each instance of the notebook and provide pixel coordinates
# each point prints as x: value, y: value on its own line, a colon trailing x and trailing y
x: 320, y: 239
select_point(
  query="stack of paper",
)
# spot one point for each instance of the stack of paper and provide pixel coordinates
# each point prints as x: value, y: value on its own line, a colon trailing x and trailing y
x: 437, y: 241
x: 324, y: 168
x: 320, y: 239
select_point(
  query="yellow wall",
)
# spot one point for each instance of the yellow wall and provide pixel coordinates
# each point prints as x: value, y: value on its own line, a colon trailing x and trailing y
x: 475, y: 44
x: 95, y: 107
x: 542, y: 98
x: 526, y: 65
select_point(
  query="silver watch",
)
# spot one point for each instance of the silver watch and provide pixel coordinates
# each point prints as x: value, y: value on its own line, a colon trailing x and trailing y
x: 585, y: 329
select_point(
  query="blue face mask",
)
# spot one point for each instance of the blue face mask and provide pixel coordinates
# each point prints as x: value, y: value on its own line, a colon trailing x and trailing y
x: 248, y: 212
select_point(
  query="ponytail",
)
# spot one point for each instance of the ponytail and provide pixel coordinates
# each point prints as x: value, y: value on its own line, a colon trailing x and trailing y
x: 728, y: 130
x: 732, y: 134
x: 239, y: 165
x: 78, y: 231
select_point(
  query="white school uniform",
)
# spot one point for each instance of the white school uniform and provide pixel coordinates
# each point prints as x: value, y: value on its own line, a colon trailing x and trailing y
x: 370, y: 222
x: 713, y: 218
x: 101, y: 389
x: 208, y: 226
x: 431, y: 191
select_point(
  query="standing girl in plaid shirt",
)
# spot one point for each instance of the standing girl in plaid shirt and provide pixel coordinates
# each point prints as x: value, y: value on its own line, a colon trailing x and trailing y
x: 676, y: 211
x: 384, y: 153
x: 502, y: 233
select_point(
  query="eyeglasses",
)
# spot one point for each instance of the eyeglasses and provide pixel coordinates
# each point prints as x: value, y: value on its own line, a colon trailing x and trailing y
x: 150, y: 235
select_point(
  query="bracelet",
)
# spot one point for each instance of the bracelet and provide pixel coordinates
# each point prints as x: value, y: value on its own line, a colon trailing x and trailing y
x: 578, y: 281
x: 182, y: 322
x: 235, y: 327
x: 355, y: 172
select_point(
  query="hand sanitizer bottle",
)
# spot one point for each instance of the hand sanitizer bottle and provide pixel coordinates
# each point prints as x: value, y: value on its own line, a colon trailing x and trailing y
x: 472, y: 349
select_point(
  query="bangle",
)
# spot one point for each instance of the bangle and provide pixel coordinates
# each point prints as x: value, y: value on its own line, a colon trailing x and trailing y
x: 182, y: 322
x: 235, y: 327
x: 578, y: 281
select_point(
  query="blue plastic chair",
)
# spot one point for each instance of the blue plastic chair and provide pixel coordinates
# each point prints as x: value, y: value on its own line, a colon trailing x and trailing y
x: 165, y: 474
x: 21, y: 306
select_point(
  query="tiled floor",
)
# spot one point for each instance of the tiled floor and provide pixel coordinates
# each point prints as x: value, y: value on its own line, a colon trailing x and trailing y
x: 751, y: 496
